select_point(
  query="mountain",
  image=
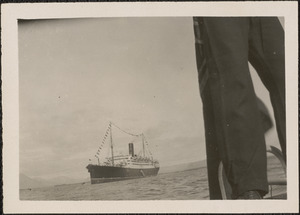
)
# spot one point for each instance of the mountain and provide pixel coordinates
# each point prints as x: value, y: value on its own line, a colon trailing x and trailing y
x: 66, y: 180
x: 27, y: 182
x: 182, y: 167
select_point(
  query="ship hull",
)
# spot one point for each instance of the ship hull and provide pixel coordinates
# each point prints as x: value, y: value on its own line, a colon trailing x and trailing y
x: 101, y: 174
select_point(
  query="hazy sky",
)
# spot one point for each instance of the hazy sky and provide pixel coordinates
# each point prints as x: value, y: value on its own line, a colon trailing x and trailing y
x: 76, y: 75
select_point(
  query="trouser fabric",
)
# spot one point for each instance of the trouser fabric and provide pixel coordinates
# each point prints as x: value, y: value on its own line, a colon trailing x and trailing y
x: 234, y: 131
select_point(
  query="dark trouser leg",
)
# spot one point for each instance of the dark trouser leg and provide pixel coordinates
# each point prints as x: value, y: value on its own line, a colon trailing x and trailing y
x: 212, y: 139
x: 234, y: 106
x: 266, y: 54
x: 210, y: 122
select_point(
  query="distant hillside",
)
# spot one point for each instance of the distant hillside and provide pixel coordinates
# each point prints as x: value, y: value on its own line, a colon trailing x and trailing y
x: 182, y: 167
x: 67, y: 180
x: 272, y: 161
x: 27, y: 182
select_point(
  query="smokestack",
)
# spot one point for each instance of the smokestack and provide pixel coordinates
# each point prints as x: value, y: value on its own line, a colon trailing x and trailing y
x: 131, y: 150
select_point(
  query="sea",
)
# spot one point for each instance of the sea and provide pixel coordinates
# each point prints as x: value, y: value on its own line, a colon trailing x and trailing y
x: 190, y: 184
x: 182, y: 185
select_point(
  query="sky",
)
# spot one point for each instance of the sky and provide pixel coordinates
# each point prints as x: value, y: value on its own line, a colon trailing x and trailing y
x: 77, y: 75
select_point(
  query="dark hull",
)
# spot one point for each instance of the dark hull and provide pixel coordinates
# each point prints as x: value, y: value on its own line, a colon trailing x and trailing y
x: 101, y: 174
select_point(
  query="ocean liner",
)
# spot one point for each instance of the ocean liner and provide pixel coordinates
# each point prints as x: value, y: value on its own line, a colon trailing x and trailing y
x: 121, y: 167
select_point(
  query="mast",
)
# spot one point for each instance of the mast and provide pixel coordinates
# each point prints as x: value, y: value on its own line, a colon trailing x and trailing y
x: 143, y: 145
x: 111, y: 145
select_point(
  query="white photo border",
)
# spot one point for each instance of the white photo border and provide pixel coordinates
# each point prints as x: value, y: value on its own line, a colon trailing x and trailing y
x: 10, y: 102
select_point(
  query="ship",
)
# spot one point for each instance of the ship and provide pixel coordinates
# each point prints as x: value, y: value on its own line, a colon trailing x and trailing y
x: 120, y: 166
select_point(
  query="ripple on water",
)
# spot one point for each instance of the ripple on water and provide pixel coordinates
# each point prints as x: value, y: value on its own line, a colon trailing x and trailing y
x: 185, y: 185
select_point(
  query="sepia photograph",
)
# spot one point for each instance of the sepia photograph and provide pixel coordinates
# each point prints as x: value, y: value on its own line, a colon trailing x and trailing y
x: 150, y: 108
x: 106, y: 99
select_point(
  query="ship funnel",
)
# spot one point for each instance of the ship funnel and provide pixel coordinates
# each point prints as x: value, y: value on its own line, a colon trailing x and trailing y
x: 131, y: 150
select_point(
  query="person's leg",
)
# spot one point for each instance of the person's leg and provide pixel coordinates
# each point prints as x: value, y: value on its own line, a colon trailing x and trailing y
x: 238, y: 129
x: 212, y: 138
x: 266, y: 54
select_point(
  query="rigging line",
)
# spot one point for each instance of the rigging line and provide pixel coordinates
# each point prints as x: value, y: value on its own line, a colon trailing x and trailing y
x: 136, y: 135
x: 103, y: 140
